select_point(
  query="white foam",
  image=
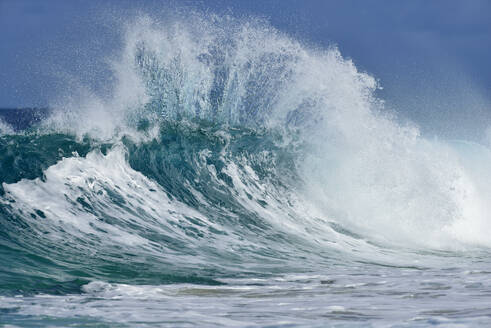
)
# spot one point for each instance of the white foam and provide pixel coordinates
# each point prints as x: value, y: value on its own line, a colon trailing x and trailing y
x: 113, y: 190
x: 5, y: 128
x: 365, y: 170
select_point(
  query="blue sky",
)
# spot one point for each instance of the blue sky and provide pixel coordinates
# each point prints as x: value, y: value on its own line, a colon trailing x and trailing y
x: 431, y: 57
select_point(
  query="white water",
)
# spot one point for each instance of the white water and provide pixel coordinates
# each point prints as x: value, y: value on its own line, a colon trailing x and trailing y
x: 411, y: 241
x: 365, y: 169
x: 5, y: 128
x: 385, y: 297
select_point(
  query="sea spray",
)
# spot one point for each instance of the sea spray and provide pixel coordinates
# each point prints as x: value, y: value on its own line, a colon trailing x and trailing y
x: 233, y: 157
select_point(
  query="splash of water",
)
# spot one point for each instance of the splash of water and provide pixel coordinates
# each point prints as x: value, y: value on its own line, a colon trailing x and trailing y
x: 355, y: 176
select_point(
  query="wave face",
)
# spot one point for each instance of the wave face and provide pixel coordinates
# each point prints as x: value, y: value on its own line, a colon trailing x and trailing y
x: 231, y: 156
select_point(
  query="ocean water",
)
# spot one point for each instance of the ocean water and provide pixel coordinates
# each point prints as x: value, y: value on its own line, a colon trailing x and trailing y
x: 237, y: 177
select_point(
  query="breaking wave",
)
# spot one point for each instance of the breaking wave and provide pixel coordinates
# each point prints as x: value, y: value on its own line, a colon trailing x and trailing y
x: 226, y: 150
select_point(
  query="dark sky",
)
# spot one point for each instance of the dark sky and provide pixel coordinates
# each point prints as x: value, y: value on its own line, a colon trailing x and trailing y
x: 433, y: 58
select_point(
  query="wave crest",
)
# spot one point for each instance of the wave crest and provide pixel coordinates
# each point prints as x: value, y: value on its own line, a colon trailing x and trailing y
x: 227, y: 145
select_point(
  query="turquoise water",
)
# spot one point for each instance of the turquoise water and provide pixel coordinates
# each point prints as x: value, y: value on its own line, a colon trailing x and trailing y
x: 236, y: 177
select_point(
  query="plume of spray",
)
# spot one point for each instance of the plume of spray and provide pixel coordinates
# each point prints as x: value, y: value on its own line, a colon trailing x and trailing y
x: 359, y: 166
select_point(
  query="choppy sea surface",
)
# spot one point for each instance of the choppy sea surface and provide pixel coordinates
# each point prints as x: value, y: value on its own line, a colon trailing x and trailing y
x: 237, y: 177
